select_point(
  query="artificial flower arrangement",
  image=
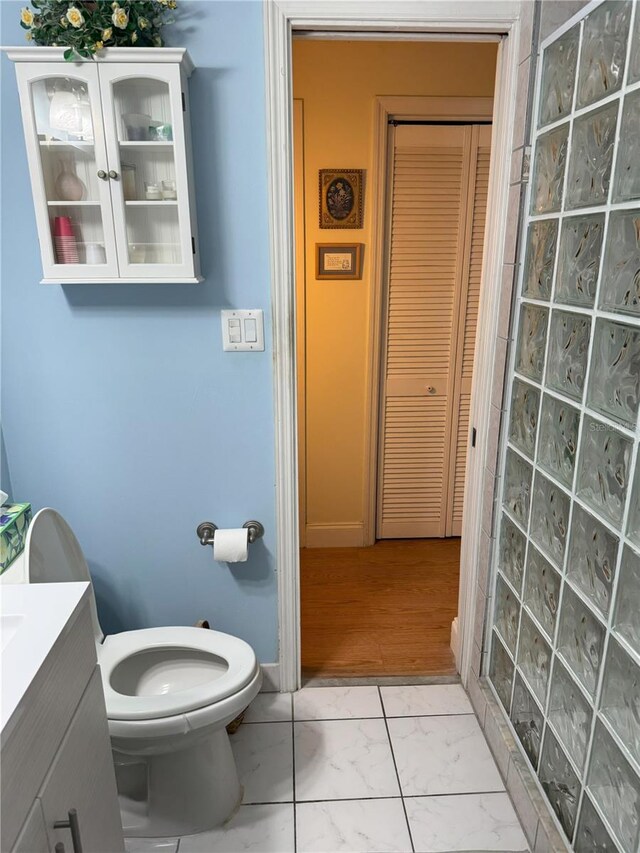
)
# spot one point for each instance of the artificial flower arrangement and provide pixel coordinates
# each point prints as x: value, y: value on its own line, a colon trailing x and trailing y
x: 86, y: 26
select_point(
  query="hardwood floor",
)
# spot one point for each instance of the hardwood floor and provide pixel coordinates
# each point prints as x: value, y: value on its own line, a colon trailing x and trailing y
x: 383, y: 610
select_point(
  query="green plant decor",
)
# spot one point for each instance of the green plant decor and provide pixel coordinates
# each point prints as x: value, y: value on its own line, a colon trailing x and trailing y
x: 86, y: 26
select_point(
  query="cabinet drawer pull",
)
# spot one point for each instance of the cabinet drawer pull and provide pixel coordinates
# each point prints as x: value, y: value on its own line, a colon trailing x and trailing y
x: 59, y: 848
x: 113, y: 174
x: 72, y: 824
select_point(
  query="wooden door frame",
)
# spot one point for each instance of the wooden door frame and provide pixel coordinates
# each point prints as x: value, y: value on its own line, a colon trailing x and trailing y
x: 281, y: 17
x: 402, y: 108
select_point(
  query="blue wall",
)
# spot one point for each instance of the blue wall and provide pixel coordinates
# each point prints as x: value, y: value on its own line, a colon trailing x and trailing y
x: 119, y: 407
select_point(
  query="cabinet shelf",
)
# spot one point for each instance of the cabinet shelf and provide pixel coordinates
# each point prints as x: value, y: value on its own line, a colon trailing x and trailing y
x: 94, y: 107
x: 73, y: 203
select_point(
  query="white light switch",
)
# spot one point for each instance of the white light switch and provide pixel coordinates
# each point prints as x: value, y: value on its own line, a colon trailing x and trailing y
x: 242, y: 331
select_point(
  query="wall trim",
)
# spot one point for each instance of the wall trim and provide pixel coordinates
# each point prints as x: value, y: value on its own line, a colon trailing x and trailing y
x: 270, y: 677
x: 339, y: 535
x: 280, y: 18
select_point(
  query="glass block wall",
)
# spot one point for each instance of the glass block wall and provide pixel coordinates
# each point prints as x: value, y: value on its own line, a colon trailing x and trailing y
x: 564, y: 657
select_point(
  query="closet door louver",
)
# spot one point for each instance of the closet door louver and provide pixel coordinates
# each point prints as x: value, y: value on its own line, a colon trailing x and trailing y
x: 433, y: 284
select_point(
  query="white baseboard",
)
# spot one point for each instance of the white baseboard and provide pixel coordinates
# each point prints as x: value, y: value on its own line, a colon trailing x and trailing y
x: 455, y: 642
x: 270, y: 677
x: 335, y: 535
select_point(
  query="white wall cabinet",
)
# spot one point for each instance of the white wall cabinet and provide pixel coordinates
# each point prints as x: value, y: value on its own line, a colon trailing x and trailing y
x: 109, y: 149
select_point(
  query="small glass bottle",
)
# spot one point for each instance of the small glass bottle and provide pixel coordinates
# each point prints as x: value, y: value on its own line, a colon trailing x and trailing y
x: 152, y: 192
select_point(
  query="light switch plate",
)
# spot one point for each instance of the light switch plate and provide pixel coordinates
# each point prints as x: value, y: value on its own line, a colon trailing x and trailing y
x: 238, y: 335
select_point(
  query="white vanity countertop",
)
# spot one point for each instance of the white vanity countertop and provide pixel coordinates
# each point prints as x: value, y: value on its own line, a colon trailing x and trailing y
x: 32, y: 617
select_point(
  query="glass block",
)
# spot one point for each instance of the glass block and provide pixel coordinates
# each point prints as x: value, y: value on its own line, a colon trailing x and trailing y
x: 592, y: 146
x: 592, y: 835
x: 507, y: 613
x: 603, y: 470
x: 570, y: 714
x: 542, y: 590
x: 517, y: 487
x: 548, y: 170
x: 560, y: 782
x: 604, y: 50
x: 534, y: 657
x: 634, y: 59
x: 614, y: 383
x: 532, y: 337
x: 580, y: 639
x: 550, y: 518
x: 525, y: 402
x: 615, y: 788
x: 501, y: 671
x: 633, y: 523
x: 626, y: 617
x: 527, y: 720
x: 620, y: 703
x: 539, y: 258
x: 620, y: 289
x: 591, y: 565
x: 559, y: 77
x: 568, y: 351
x: 627, y: 180
x: 559, y: 423
x: 579, y: 261
x: 511, y: 552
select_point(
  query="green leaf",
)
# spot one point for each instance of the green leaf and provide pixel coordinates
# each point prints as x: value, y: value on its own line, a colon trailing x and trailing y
x: 68, y: 54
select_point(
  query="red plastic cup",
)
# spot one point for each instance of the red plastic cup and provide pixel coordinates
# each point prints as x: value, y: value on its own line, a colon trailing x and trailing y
x: 62, y: 227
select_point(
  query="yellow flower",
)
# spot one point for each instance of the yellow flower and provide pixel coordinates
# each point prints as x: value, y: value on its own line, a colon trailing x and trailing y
x: 29, y: 36
x: 143, y: 23
x: 64, y: 23
x: 26, y: 16
x: 134, y: 37
x: 120, y: 18
x: 98, y: 45
x: 107, y: 34
x: 74, y: 16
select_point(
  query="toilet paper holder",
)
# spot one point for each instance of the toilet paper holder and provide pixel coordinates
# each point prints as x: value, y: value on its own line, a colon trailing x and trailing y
x: 207, y: 530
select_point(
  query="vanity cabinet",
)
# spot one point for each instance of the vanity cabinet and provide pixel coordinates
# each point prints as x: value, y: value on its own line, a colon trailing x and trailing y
x: 58, y: 780
x: 109, y: 149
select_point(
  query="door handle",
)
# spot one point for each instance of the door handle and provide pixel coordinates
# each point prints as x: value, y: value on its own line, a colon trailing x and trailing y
x: 73, y: 825
x: 431, y: 389
x: 113, y: 174
x: 102, y: 175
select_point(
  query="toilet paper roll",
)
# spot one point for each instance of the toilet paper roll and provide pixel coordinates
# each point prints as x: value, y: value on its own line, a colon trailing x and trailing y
x: 231, y: 545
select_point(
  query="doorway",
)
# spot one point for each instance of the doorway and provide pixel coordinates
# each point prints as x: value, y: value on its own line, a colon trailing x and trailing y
x: 381, y: 475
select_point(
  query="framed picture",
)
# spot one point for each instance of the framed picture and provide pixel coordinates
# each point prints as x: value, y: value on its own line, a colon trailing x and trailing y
x: 341, y: 192
x: 338, y: 260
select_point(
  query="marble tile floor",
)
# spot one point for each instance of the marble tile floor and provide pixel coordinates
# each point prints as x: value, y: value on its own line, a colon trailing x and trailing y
x: 361, y: 770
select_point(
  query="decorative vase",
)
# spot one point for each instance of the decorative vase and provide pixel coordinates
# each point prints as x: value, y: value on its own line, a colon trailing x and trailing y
x: 69, y: 187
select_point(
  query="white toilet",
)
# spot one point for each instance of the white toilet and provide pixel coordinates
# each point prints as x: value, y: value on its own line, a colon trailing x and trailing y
x: 169, y: 694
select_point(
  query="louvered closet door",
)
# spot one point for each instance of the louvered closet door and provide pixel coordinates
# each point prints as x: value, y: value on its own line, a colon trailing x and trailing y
x: 433, y: 283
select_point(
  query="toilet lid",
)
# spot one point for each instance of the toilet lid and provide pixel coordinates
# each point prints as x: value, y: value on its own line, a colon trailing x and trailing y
x: 160, y: 672
x: 53, y: 555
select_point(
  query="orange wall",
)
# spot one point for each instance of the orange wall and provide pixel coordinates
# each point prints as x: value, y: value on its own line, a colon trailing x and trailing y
x: 338, y: 82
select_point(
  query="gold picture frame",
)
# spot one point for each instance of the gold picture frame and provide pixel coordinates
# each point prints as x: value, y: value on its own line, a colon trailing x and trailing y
x: 339, y: 261
x: 341, y: 198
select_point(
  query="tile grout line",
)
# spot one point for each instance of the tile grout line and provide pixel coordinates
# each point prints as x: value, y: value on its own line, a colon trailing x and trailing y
x: 293, y: 776
x: 395, y: 767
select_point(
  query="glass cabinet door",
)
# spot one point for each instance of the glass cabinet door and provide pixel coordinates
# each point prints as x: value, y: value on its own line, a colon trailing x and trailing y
x: 146, y: 148
x: 69, y: 172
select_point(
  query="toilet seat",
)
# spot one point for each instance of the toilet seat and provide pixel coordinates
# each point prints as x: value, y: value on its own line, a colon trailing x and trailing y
x: 232, y: 665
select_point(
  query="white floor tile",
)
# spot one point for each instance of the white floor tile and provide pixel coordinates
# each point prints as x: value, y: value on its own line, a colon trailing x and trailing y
x: 336, y: 703
x: 352, y: 826
x: 341, y: 759
x: 150, y: 845
x: 425, y: 699
x: 269, y: 708
x: 264, y: 757
x: 442, y: 755
x: 465, y: 822
x: 264, y: 829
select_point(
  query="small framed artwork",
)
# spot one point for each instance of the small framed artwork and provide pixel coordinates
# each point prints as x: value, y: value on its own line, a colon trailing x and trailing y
x: 341, y: 198
x: 338, y: 260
